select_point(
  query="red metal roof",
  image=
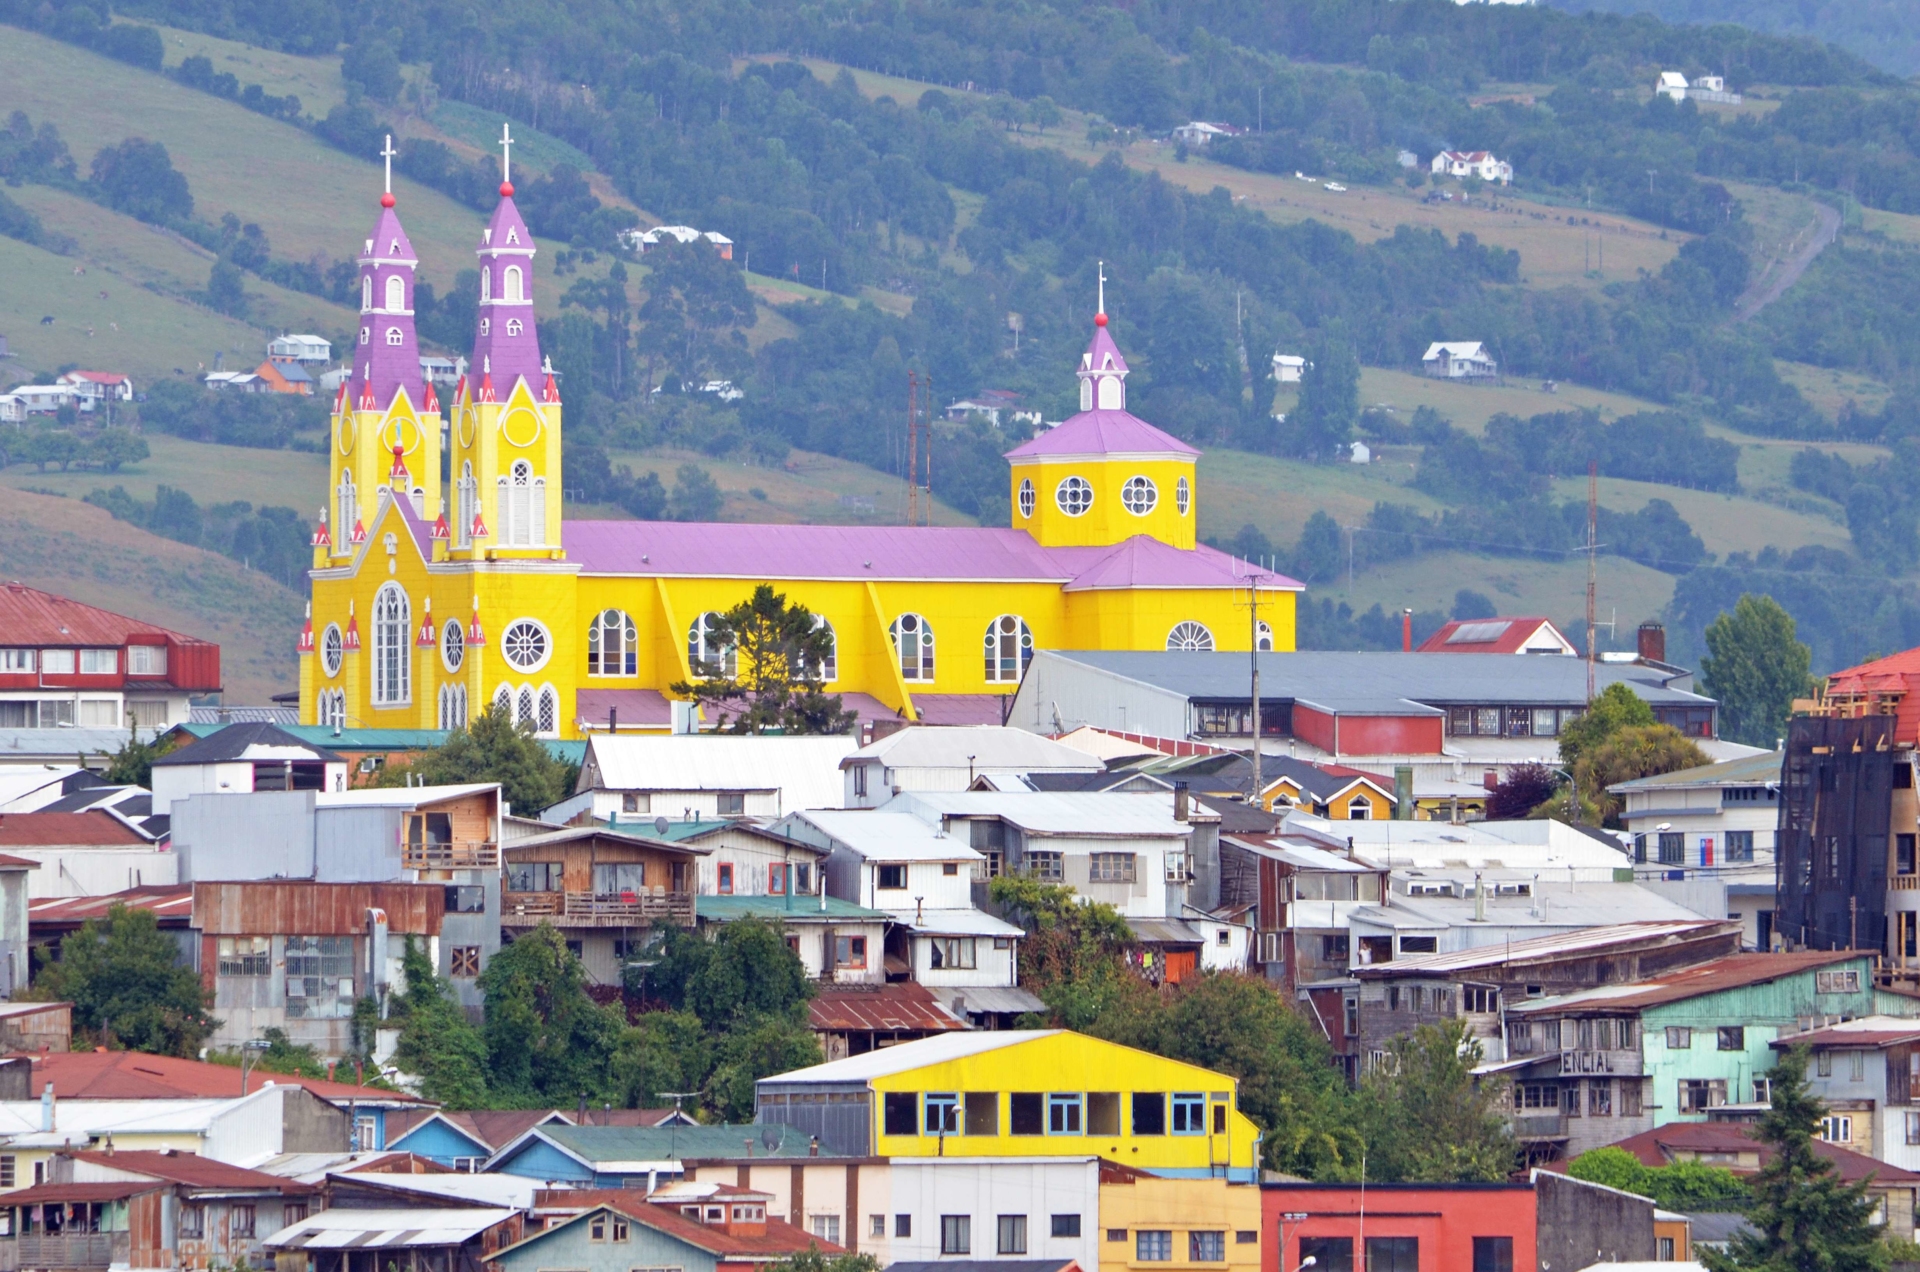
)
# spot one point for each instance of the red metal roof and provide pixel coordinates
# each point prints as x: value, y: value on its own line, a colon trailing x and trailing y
x: 136, y: 1075
x: 855, y: 1008
x: 171, y: 901
x: 1510, y: 638
x: 1730, y: 972
x: 94, y: 829
x: 114, y: 1191
x: 1675, y: 1140
x: 29, y: 616
x: 194, y: 1171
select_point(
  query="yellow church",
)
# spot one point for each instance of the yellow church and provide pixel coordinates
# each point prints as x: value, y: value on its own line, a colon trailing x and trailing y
x: 442, y: 583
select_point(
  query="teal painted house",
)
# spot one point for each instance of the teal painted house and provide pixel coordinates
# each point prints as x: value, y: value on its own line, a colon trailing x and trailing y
x: 697, y: 1228
x: 467, y: 1139
x: 1592, y: 1068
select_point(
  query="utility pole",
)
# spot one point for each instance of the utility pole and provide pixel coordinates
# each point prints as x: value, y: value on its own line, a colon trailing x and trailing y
x: 913, y: 448
x: 1253, y: 621
x: 1593, y: 513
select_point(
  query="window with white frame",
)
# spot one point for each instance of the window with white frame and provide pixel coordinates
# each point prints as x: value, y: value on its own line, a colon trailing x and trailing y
x: 613, y: 644
x: 99, y: 662
x: 396, y: 293
x: 523, y: 507
x: 347, y: 515
x: 829, y: 668
x: 453, y: 645
x: 1190, y: 637
x: 525, y: 644
x: 548, y: 721
x: 512, y: 288
x: 1837, y: 1128
x: 366, y: 293
x: 146, y: 660
x: 453, y: 706
x: 1110, y: 867
x: 709, y: 651
x: 1009, y: 649
x: 1139, y: 495
x: 514, y: 326
x: 331, y: 708
x: 1026, y: 497
x: 16, y: 660
x: 332, y: 650
x: 392, y: 647
x: 393, y: 335
x: 952, y: 952
x: 913, y: 642
x: 1074, y: 496
x: 466, y: 503
x: 1182, y: 496
x: 1263, y: 636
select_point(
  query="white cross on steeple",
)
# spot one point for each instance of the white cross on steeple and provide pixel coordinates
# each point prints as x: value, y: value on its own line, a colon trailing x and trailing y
x: 1103, y: 288
x: 388, y: 153
x: 506, y: 152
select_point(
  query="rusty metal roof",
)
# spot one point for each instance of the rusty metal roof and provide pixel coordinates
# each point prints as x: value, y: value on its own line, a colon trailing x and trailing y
x: 1733, y: 972
x: 194, y: 1171
x: 135, y: 1075
x: 169, y: 902
x: 271, y: 907
x: 91, y: 829
x: 906, y: 1005
x: 1669, y: 1143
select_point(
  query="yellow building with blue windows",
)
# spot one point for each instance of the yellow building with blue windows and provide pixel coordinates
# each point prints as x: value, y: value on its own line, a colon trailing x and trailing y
x: 1021, y: 1093
x: 441, y: 583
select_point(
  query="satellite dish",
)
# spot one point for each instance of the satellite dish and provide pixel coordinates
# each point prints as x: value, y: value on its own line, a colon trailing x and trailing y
x: 660, y: 825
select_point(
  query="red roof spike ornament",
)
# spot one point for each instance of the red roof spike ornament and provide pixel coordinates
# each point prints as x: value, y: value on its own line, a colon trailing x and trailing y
x: 359, y: 531
x: 549, y: 393
x: 366, y: 391
x: 432, y: 404
x: 425, y: 638
x: 486, y: 380
x: 460, y: 389
x: 340, y: 399
x: 321, y: 538
x: 351, y: 643
x: 440, y: 529
x: 479, y: 527
x: 398, y: 473
x: 475, y: 636
x: 306, y: 633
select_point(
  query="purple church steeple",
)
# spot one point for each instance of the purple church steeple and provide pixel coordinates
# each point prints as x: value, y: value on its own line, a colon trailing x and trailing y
x: 506, y: 346
x: 386, y: 357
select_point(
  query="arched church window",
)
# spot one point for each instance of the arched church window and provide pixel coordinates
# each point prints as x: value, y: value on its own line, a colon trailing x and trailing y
x: 523, y: 507
x: 366, y: 292
x: 549, y: 719
x: 486, y: 325
x: 1086, y: 394
x: 392, y: 664
x: 1009, y: 649
x: 349, y: 511
x: 525, y: 645
x: 393, y: 336
x: 1263, y: 637
x: 1026, y: 496
x: 708, y: 649
x: 486, y: 284
x: 332, y: 648
x: 913, y: 642
x: 511, y: 288
x: 396, y: 292
x: 514, y: 327
x: 1182, y: 496
x: 453, y: 645
x: 1113, y: 393
x: 613, y: 644
x: 1190, y: 637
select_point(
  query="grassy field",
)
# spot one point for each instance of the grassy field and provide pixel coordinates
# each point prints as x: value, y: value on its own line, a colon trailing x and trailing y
x: 77, y: 550
x: 1470, y: 406
x: 1277, y: 496
x: 211, y: 474
x: 1829, y: 389
x: 1725, y: 523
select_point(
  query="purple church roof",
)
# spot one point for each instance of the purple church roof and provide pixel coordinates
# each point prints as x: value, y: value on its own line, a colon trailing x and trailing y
x: 1100, y: 433
x: 505, y: 345
x: 1102, y: 353
x: 772, y: 552
x: 386, y: 358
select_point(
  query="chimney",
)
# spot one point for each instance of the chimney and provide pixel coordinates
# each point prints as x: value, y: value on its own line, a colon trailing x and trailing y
x: 1653, y: 642
x: 1406, y: 631
x: 1403, y: 792
x: 1479, y: 900
x: 813, y: 1146
x: 1181, y: 811
x: 47, y: 1119
x: 613, y: 719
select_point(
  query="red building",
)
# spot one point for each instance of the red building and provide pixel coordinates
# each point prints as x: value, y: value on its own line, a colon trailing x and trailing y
x: 68, y: 665
x: 1400, y: 1227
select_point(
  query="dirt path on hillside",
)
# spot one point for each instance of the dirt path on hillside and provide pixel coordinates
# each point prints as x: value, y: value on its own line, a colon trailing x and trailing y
x: 1782, y: 274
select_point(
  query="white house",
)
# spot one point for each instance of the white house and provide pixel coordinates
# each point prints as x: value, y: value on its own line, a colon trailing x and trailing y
x: 1704, y: 88
x: 1288, y: 367
x: 704, y: 776
x: 1716, y: 824
x: 949, y: 759
x: 46, y: 399
x: 893, y: 861
x: 308, y: 350
x: 254, y: 756
x: 644, y: 241
x: 98, y: 386
x: 1472, y: 163
x: 1200, y: 132
x: 1672, y: 85
x: 1459, y: 360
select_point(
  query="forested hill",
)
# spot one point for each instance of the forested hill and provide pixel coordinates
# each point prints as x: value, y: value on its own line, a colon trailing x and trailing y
x: 959, y: 207
x: 1885, y: 32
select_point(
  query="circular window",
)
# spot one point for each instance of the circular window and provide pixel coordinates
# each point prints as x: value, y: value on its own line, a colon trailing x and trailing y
x: 1073, y: 495
x: 330, y: 649
x: 1191, y: 637
x: 1182, y: 496
x: 525, y: 645
x: 1139, y: 495
x: 453, y: 644
x: 1026, y: 496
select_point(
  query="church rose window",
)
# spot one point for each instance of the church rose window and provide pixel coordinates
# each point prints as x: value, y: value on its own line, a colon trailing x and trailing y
x: 1139, y: 495
x: 330, y: 650
x: 1074, y: 495
x: 453, y: 644
x: 1026, y: 497
x: 1190, y: 636
x: 525, y: 645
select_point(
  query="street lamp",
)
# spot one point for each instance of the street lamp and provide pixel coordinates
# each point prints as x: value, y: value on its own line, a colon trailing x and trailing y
x: 249, y: 1051
x: 1307, y: 1262
x: 1295, y: 1217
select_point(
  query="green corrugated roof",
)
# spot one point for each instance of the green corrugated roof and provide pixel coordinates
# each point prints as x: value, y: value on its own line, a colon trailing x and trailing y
x: 727, y: 909
x: 677, y: 831
x: 1764, y: 767
x: 613, y: 1144
x: 323, y: 735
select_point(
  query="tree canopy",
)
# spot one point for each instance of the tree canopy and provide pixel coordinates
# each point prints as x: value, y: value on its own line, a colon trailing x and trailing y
x: 128, y: 986
x: 1755, y: 668
x: 492, y: 748
x: 765, y: 664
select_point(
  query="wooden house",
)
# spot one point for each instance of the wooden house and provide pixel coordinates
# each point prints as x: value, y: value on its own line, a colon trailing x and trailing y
x: 603, y: 889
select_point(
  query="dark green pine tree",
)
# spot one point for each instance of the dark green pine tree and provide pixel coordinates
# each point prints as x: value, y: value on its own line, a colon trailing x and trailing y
x: 1807, y: 1220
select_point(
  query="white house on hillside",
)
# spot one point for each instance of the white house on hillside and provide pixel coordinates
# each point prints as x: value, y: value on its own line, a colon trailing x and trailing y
x: 1288, y: 367
x: 1200, y: 132
x: 1459, y: 360
x: 1472, y: 163
x: 307, y: 350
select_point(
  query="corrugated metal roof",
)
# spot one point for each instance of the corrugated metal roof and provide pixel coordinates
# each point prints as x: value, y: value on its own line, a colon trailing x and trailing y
x: 193, y: 1170
x: 93, y: 829
x: 1733, y: 972
x: 611, y: 1147
x: 987, y: 748
x: 803, y: 909
x: 665, y: 844
x: 856, y: 1008
x: 994, y: 999
x: 1584, y: 941
x: 1082, y: 814
x: 805, y: 770
x: 780, y: 1238
x: 1750, y: 770
x: 167, y: 901
x: 31, y: 617
x: 399, y: 796
x: 387, y: 1229
x: 908, y: 1056
x: 1863, y: 1031
x: 888, y: 835
x: 135, y: 1075
x: 244, y: 741
x: 1669, y: 1143
x: 956, y: 922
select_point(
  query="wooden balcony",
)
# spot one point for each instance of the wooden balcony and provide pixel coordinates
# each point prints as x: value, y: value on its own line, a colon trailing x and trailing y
x: 594, y: 909
x: 1539, y: 1126
x: 457, y: 854
x: 63, y: 1250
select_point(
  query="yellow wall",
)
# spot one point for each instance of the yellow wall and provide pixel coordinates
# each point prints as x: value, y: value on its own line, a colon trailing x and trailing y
x: 1179, y: 1206
x: 1065, y: 1063
x: 1107, y: 520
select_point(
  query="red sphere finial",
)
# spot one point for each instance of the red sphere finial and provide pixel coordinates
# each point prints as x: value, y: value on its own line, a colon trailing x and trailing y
x: 386, y: 200
x: 506, y: 189
x: 1099, y: 320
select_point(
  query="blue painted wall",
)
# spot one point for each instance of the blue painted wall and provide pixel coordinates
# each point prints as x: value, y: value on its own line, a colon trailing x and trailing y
x: 441, y: 1143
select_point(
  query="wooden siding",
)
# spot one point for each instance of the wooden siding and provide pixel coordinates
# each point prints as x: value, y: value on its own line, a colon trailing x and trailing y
x: 315, y: 909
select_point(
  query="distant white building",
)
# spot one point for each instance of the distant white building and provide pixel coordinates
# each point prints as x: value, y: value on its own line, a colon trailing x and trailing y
x: 949, y: 759
x: 644, y: 241
x: 1200, y: 132
x: 1472, y: 163
x: 98, y: 386
x: 1288, y: 367
x: 307, y: 350
x: 46, y: 399
x: 1459, y: 360
x: 1705, y: 88
x: 445, y: 371
x: 1359, y: 453
x: 686, y: 777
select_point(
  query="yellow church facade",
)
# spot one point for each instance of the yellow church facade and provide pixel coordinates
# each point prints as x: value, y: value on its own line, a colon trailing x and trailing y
x: 441, y: 584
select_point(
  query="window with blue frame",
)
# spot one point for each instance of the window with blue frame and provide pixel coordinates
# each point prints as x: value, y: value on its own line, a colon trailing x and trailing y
x: 943, y: 1113
x: 1063, y: 1114
x: 1189, y: 1113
